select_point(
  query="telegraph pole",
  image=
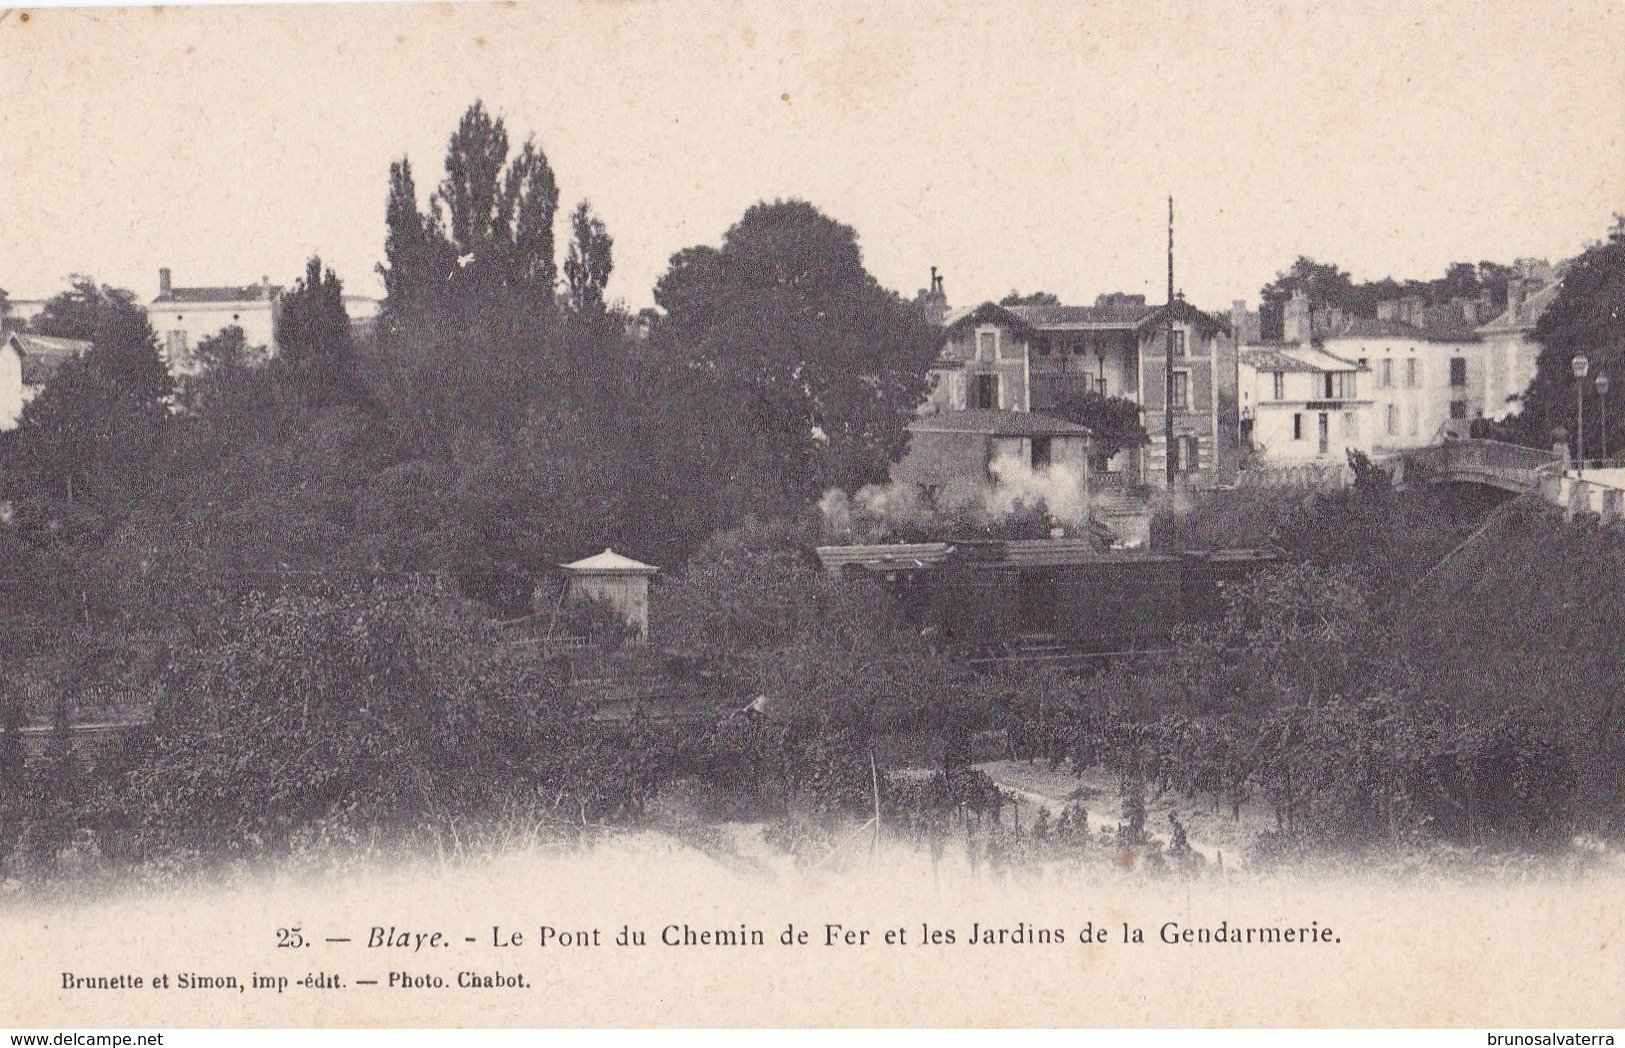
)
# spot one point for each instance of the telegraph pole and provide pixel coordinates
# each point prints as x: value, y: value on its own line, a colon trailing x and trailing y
x: 1168, y: 360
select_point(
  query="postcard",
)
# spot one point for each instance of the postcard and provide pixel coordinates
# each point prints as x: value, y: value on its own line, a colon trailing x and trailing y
x: 922, y: 515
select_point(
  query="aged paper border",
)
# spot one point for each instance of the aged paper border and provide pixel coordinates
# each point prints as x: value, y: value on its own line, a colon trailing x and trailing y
x: 1414, y: 950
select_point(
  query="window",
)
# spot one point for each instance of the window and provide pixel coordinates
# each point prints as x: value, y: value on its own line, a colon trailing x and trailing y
x: 1393, y: 420
x: 1458, y: 409
x: 1458, y: 373
x: 1410, y: 373
x: 1386, y: 376
x: 987, y: 344
x: 1182, y: 390
x: 1280, y: 386
x: 1340, y: 385
x: 1297, y: 427
x: 1041, y: 452
x: 985, y: 392
x: 1100, y: 385
x: 1415, y: 419
x: 1351, y: 426
x: 1325, y: 433
x: 1010, y: 348
x: 1185, y: 453
x: 1043, y: 349
x: 1177, y: 342
x: 175, y: 346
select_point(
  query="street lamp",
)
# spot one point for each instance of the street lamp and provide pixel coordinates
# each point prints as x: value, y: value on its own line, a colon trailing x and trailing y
x: 1602, y: 397
x: 1581, y: 366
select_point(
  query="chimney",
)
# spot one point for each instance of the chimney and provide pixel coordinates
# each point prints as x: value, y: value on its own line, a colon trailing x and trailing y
x: 1295, y: 318
x: 163, y: 281
x: 934, y: 302
x: 1515, y: 297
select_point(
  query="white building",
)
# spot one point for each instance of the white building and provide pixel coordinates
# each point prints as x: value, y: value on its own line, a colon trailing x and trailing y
x: 1424, y: 385
x: 1301, y: 404
x: 182, y: 316
x: 1510, y: 350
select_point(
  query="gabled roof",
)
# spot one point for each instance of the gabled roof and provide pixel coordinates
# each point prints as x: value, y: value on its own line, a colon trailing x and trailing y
x: 41, y: 356
x: 995, y: 423
x: 1118, y: 315
x: 194, y: 295
x: 1525, y: 318
x: 609, y: 563
x: 986, y: 313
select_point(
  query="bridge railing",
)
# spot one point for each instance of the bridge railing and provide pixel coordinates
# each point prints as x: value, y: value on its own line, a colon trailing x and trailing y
x: 1513, y: 464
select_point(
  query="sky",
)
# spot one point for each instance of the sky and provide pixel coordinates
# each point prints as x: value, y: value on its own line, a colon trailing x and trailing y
x: 1013, y: 145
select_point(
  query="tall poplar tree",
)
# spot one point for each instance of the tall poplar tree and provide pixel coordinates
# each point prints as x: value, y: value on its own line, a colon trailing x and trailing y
x: 317, y: 348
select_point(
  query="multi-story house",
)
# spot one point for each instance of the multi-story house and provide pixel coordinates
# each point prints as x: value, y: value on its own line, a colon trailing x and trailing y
x: 1028, y: 358
x: 1302, y: 405
x: 1405, y: 378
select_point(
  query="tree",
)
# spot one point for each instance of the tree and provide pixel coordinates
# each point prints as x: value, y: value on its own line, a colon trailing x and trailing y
x: 1586, y: 318
x: 317, y: 347
x: 1114, y: 422
x: 486, y: 242
x: 126, y: 349
x: 587, y: 269
x: 819, y: 367
x: 87, y: 439
x: 1037, y: 298
x: 470, y: 323
x: 1323, y: 283
x: 421, y: 260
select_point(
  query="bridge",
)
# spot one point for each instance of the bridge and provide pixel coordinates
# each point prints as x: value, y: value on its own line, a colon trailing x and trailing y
x: 1510, y: 467
x: 1595, y: 486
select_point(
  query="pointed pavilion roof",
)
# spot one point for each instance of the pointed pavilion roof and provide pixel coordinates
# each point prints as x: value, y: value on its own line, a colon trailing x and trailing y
x: 609, y: 563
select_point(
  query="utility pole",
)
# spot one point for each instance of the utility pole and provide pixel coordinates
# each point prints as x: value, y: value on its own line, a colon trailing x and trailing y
x: 1168, y: 360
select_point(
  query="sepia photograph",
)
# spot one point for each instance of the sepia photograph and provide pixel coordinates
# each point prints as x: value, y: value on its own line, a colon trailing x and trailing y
x: 930, y: 514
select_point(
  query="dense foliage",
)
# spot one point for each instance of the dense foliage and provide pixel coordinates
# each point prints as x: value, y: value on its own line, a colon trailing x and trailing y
x: 1586, y: 318
x: 1327, y: 286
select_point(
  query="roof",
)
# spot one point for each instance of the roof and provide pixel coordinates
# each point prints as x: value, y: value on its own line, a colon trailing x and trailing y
x: 1043, y: 553
x: 41, y: 356
x: 193, y: 295
x: 1291, y: 357
x: 897, y: 556
x: 1124, y: 315
x: 1116, y: 312
x: 1048, y: 553
x: 1525, y: 318
x: 986, y: 313
x: 1372, y: 328
x: 996, y: 423
x: 609, y: 563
